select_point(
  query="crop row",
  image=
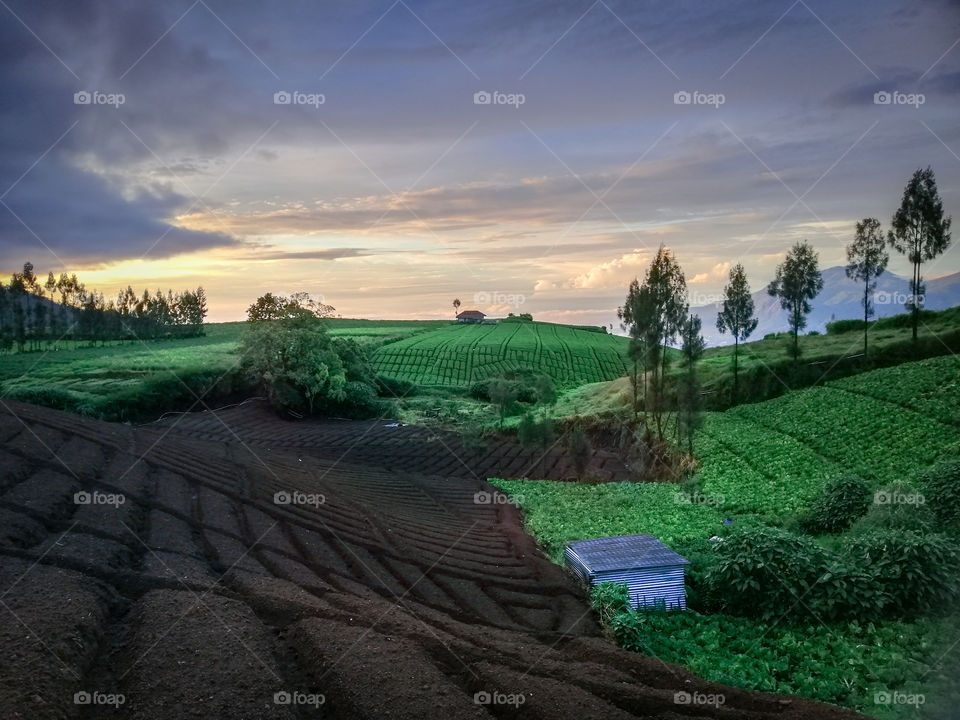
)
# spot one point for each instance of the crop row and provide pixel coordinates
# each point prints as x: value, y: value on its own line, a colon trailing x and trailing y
x: 930, y: 387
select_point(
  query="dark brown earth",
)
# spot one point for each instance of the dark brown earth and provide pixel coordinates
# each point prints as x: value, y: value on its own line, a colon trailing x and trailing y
x: 398, y: 596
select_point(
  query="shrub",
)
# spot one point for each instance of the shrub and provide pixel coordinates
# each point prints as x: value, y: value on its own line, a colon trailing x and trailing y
x: 395, y: 387
x: 841, y: 326
x: 941, y: 488
x: 610, y: 600
x: 916, y: 573
x: 769, y: 573
x: 895, y: 514
x: 839, y: 505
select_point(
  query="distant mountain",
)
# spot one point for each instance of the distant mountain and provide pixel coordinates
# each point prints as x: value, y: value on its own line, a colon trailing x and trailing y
x: 839, y: 299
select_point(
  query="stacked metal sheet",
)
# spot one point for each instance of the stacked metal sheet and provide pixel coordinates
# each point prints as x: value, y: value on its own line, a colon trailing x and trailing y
x: 652, y: 572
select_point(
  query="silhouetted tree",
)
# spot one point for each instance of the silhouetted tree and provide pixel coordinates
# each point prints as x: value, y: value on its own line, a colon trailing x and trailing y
x: 867, y: 258
x: 920, y: 231
x: 736, y: 315
x: 797, y: 282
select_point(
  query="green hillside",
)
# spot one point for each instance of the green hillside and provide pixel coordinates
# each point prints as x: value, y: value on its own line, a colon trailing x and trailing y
x: 459, y: 355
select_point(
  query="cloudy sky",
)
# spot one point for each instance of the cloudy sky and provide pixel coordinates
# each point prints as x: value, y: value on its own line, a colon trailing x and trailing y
x: 512, y: 154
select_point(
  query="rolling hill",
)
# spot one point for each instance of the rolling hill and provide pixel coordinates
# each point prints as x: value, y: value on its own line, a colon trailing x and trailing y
x: 459, y: 355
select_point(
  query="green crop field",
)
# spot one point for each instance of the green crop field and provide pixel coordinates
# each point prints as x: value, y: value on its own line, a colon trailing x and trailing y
x: 762, y: 464
x: 121, y: 380
x: 459, y: 355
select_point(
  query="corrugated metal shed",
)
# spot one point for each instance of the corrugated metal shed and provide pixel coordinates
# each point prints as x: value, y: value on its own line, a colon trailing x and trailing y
x: 652, y: 572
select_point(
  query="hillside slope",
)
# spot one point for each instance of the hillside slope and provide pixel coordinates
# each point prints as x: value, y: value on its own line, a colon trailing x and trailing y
x: 376, y: 594
x: 459, y: 355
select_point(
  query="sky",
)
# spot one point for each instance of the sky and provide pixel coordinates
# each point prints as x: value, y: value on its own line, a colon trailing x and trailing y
x: 391, y: 156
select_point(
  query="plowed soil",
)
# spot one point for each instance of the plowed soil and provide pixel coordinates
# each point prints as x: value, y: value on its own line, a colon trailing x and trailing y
x: 382, y: 590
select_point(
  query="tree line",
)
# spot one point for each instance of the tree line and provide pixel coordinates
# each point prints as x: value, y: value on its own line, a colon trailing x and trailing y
x: 35, y: 313
x: 657, y: 316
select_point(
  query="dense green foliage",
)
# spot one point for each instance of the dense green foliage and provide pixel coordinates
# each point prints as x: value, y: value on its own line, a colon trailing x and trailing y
x: 784, y: 611
x: 941, y: 485
x: 460, y: 355
x: 37, y: 314
x: 843, y: 663
x: 841, y: 503
x: 769, y: 573
x: 141, y: 380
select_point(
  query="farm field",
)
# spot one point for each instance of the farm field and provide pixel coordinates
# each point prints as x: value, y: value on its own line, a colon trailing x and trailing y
x: 460, y: 355
x: 232, y: 575
x: 155, y: 375
x: 763, y: 464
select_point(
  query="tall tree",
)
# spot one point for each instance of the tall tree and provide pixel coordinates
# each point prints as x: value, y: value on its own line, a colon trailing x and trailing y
x: 637, y: 318
x: 798, y: 281
x: 667, y: 289
x: 692, y: 346
x: 920, y: 231
x: 867, y: 258
x: 736, y: 315
x: 456, y: 306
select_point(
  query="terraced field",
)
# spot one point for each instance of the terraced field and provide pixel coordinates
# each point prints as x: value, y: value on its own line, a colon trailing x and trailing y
x: 248, y: 581
x: 884, y: 425
x: 459, y: 355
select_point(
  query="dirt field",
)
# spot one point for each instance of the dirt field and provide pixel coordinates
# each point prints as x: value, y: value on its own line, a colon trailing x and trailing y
x: 268, y: 570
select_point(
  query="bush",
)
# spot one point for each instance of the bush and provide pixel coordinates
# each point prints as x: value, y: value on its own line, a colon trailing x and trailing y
x: 610, y: 600
x: 394, y: 387
x: 896, y: 514
x: 841, y: 326
x: 769, y: 573
x: 916, y: 573
x: 941, y: 488
x: 842, y: 502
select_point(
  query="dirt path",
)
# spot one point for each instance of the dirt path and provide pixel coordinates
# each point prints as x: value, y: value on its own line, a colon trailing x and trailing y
x: 373, y: 592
